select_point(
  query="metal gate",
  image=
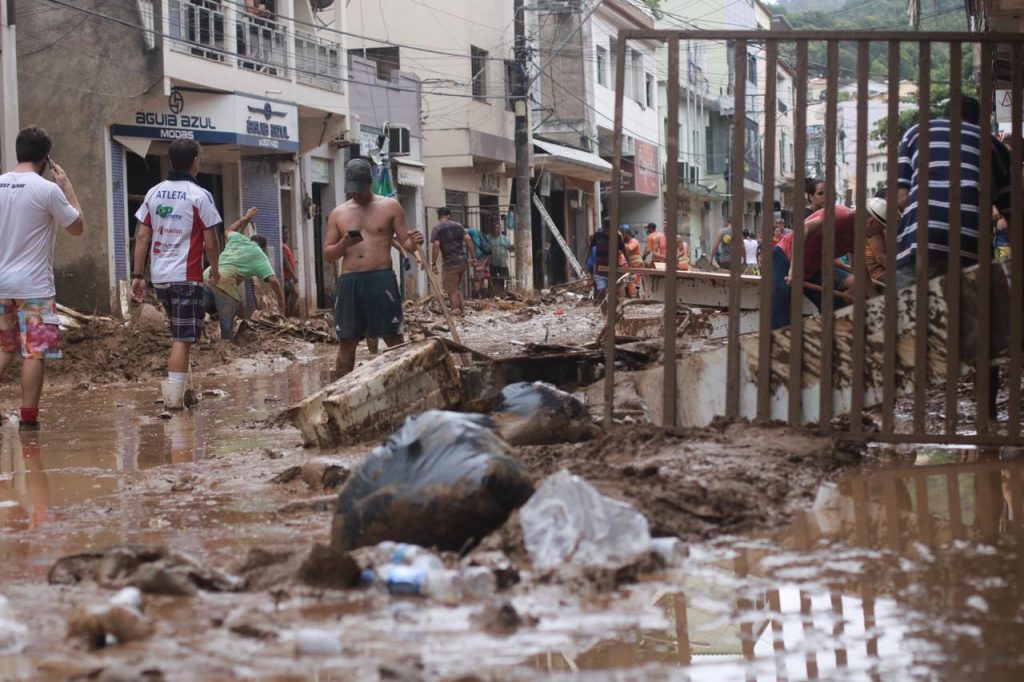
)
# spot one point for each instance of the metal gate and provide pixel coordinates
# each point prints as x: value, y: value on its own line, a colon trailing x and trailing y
x: 869, y: 353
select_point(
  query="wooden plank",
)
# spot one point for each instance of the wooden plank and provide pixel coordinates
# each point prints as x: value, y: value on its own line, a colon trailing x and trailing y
x: 737, y: 164
x: 767, y: 230
x: 793, y: 415
x: 614, y: 213
x: 669, y: 378
x: 553, y: 229
x: 955, y: 222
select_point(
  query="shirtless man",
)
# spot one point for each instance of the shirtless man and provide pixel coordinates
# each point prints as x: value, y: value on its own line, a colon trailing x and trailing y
x: 367, y: 300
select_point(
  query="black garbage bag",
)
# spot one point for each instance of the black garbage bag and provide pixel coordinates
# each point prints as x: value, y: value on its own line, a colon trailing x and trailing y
x: 540, y: 414
x: 444, y: 479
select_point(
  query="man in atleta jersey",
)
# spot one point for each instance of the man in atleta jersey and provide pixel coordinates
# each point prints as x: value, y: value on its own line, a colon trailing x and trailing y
x: 176, y: 229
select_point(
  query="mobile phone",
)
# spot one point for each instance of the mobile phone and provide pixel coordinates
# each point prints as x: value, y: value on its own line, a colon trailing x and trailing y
x: 355, y: 235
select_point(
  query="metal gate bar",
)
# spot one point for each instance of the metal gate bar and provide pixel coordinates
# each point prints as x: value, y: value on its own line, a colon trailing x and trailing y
x: 834, y: 350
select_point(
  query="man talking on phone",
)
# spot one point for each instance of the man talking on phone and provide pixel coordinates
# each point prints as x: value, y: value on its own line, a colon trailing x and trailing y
x: 367, y: 300
x: 36, y: 200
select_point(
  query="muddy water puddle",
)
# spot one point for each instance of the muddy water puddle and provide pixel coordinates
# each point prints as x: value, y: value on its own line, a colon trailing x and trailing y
x: 906, y: 573
x: 909, y: 572
x: 95, y: 440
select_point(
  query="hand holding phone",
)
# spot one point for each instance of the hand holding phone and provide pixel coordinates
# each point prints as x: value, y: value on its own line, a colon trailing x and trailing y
x: 355, y: 236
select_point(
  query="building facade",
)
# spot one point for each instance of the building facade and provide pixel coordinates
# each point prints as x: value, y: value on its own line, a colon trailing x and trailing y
x: 461, y: 52
x: 263, y: 92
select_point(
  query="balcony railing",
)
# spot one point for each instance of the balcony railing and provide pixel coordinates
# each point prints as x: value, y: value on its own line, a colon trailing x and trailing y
x: 317, y: 61
x: 225, y: 33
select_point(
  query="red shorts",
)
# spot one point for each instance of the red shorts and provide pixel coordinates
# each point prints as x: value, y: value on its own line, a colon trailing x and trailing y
x: 31, y: 327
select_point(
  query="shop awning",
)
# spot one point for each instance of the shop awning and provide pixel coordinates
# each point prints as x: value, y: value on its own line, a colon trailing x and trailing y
x: 574, y: 163
x: 138, y: 145
x: 409, y: 173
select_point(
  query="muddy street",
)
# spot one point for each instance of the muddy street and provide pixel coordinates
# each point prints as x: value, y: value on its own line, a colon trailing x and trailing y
x: 800, y: 559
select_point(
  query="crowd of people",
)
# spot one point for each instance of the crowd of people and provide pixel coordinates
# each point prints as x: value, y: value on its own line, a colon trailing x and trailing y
x: 37, y: 199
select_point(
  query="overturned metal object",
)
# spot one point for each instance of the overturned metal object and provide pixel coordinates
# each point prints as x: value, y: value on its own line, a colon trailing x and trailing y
x: 375, y: 398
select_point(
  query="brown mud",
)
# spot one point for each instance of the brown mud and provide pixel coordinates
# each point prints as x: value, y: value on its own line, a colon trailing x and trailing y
x: 107, y: 351
x: 695, y: 484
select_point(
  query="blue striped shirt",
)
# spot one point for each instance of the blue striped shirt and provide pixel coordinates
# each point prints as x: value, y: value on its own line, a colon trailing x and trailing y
x: 939, y: 191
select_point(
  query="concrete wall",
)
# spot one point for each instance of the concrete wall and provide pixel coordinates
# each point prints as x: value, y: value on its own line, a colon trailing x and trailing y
x: 73, y: 87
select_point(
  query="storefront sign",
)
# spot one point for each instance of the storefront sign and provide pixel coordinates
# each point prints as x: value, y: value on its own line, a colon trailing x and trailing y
x: 213, y: 118
x: 640, y: 174
x: 646, y: 178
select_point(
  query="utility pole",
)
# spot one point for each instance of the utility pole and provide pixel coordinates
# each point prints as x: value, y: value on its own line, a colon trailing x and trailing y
x: 8, y: 85
x: 524, y: 227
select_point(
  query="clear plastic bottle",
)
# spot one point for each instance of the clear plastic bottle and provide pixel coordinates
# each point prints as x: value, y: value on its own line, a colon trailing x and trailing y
x: 405, y: 554
x: 476, y: 581
x: 671, y: 549
x: 436, y: 583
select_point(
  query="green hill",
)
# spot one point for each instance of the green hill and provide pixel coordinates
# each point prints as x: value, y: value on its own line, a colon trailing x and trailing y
x: 865, y: 16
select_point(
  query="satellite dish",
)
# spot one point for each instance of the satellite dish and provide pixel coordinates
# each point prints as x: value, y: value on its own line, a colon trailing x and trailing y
x: 319, y: 5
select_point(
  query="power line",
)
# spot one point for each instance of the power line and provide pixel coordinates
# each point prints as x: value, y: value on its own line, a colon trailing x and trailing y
x: 224, y: 52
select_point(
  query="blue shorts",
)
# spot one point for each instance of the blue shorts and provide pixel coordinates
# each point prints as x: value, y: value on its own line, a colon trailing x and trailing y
x: 368, y: 304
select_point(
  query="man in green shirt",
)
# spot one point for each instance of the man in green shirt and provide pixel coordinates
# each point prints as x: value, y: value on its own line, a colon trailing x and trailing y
x: 241, y: 259
x: 500, y: 245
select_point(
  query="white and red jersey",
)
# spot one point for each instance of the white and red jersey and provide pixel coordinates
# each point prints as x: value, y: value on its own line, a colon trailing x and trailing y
x: 179, y: 212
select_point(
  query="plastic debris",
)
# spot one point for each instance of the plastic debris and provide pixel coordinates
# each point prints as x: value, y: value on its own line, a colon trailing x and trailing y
x: 13, y: 634
x: 567, y: 521
x: 538, y: 413
x: 444, y: 480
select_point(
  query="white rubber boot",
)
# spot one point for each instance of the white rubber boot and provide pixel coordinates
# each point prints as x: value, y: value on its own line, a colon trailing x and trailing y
x: 173, y: 394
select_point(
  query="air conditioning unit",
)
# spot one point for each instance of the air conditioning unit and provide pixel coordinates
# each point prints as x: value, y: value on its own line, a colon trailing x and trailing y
x: 576, y: 198
x: 400, y: 143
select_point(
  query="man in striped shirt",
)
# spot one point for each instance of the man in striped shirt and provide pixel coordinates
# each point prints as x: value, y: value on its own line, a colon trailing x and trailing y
x: 939, y: 176
x: 971, y: 204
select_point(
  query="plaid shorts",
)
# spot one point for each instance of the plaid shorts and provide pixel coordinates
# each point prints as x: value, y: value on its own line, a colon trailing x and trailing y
x: 30, y: 326
x: 183, y: 302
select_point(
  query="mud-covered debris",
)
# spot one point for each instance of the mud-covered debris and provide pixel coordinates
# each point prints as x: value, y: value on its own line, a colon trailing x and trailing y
x: 317, y: 642
x: 505, y: 572
x: 98, y: 625
x: 501, y: 619
x: 266, y: 568
x: 323, y: 472
x: 318, y: 504
x: 443, y: 480
x: 124, y: 673
x: 569, y: 523
x: 268, y: 453
x: 214, y: 393
x: 290, y: 474
x: 151, y: 569
x: 253, y: 623
x: 374, y: 398
x: 184, y: 482
x: 538, y: 414
x: 328, y: 567
x: 170, y: 581
x: 13, y: 634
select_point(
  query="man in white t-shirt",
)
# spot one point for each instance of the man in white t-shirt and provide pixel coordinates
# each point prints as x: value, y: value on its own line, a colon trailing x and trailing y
x: 36, y: 201
x: 179, y: 217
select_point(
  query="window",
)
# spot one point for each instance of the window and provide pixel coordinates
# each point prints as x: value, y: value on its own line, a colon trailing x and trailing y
x: 649, y: 89
x: 635, y: 84
x: 752, y: 69
x: 456, y: 201
x: 510, y: 85
x: 613, y: 50
x: 602, y: 66
x: 386, y: 59
x: 478, y: 66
